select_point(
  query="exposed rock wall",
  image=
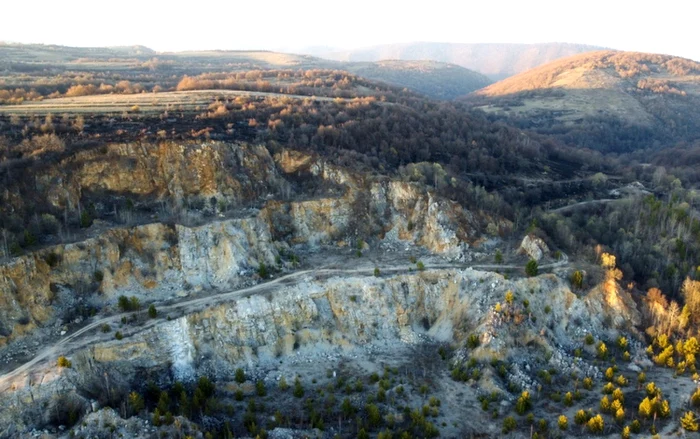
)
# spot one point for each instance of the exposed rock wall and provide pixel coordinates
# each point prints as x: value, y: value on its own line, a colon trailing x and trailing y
x: 341, y: 314
x: 152, y: 262
x: 445, y: 305
x: 392, y: 210
x: 170, y: 171
x: 157, y: 261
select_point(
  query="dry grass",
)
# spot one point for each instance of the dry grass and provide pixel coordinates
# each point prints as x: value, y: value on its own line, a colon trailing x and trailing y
x: 603, y: 69
x: 147, y: 102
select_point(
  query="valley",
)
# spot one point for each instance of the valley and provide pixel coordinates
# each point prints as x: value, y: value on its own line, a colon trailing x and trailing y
x: 266, y: 245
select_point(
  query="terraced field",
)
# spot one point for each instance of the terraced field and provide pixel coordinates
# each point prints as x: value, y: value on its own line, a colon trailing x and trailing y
x: 143, y: 102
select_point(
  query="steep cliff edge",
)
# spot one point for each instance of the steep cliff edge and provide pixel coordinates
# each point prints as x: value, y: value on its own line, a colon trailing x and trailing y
x: 326, y: 323
x: 223, y: 245
x: 152, y: 262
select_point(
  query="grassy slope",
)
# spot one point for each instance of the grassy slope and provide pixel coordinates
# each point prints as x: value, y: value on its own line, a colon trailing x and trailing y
x: 434, y: 79
x: 634, y: 99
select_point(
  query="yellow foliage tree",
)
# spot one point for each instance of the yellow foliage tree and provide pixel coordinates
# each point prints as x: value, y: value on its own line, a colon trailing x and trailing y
x: 607, y: 260
x: 646, y: 408
x: 689, y: 422
x: 691, y: 294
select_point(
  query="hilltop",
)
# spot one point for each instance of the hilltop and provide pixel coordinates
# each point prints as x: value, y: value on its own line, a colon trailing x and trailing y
x: 606, y: 100
x: 435, y: 79
x: 497, y: 61
x: 49, y: 69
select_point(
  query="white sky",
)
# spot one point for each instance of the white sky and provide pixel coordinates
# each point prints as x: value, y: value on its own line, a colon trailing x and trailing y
x: 663, y: 27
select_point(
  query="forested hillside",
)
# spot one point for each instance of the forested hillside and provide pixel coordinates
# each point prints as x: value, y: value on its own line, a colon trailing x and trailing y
x: 608, y: 101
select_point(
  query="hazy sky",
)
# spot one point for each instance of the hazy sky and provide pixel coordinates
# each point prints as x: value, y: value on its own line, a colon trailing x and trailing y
x: 664, y: 27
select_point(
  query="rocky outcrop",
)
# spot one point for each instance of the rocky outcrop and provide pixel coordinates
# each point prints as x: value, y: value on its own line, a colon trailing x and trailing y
x: 393, y: 211
x: 152, y: 262
x: 445, y: 305
x: 342, y: 315
x: 156, y: 261
x: 533, y: 247
x: 165, y: 171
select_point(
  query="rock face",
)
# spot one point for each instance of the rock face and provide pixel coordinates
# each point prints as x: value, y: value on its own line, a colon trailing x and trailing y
x: 152, y: 262
x: 391, y: 210
x: 534, y: 247
x: 344, y: 314
x: 166, y: 171
x: 159, y: 261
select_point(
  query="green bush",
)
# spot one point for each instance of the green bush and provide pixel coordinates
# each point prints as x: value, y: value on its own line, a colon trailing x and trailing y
x: 531, y: 268
x: 577, y: 279
x: 127, y: 304
x: 347, y: 408
x: 118, y: 335
x: 524, y: 403
x: 568, y: 399
x: 581, y: 417
x: 29, y: 238
x: 420, y: 266
x: 239, y: 376
x: 64, y: 362
x: 260, y: 389
x: 374, y: 417
x: 262, y: 271
x: 85, y: 219
x: 636, y: 426
x: 136, y: 402
x: 509, y: 424
x: 473, y: 341
x: 152, y: 311
x: 298, y: 388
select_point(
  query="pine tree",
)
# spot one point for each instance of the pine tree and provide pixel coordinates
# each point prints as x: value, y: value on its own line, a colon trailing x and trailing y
x: 136, y: 403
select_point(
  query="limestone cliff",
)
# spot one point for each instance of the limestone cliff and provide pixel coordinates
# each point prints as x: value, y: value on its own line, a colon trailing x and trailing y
x: 172, y: 171
x: 152, y: 262
x: 341, y: 315
x: 444, y: 305
x: 159, y: 261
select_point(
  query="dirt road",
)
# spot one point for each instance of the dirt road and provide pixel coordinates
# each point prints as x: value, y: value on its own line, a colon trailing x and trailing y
x: 76, y: 340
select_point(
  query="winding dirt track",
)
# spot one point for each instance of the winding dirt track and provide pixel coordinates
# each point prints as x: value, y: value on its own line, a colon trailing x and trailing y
x: 586, y: 203
x: 75, y: 341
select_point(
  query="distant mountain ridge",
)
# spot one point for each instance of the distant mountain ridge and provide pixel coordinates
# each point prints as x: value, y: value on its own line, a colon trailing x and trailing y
x: 497, y: 61
x: 434, y: 79
x: 606, y: 100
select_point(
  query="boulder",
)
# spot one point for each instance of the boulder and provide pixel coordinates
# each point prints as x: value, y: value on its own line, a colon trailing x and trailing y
x: 534, y: 247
